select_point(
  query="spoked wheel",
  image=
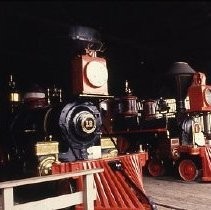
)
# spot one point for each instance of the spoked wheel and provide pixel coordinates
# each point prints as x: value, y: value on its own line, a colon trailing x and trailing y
x: 188, y: 170
x: 156, y: 168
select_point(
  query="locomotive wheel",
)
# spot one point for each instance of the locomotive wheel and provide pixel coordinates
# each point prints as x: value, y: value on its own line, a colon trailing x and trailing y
x: 188, y: 170
x: 156, y: 168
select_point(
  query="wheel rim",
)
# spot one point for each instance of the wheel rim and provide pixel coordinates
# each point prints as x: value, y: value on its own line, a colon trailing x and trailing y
x: 155, y: 168
x: 188, y: 170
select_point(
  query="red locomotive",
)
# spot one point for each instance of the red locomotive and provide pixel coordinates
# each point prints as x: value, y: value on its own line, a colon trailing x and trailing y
x: 175, y: 132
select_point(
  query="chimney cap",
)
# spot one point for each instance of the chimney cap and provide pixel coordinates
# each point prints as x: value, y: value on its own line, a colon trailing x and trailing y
x: 181, y: 68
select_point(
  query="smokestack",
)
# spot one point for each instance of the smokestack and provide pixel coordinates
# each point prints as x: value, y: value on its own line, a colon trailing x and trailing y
x: 83, y: 37
x: 182, y: 75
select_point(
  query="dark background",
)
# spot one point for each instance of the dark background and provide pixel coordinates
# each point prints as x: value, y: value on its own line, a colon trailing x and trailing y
x: 142, y: 40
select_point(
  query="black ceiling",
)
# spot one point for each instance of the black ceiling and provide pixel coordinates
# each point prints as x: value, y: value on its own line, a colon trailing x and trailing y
x: 142, y: 39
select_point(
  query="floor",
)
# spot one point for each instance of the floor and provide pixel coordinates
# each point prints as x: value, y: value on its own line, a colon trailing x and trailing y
x: 170, y: 193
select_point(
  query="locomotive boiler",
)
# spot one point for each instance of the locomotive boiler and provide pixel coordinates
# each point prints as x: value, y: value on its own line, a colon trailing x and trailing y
x: 43, y: 135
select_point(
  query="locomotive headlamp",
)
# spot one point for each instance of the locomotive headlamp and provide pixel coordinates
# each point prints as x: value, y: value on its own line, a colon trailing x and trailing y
x: 199, y: 93
x: 90, y: 75
x: 96, y: 73
x: 207, y: 96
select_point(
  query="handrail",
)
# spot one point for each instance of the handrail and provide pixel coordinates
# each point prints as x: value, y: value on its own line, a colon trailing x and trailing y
x: 87, y: 196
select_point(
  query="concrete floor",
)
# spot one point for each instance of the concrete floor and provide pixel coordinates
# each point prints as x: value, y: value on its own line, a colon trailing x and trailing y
x: 170, y: 193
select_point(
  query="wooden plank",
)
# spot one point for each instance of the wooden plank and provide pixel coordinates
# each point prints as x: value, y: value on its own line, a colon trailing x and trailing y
x: 7, y: 199
x: 35, y: 180
x: 88, y: 195
x: 58, y: 202
x: 88, y: 198
x: 52, y: 203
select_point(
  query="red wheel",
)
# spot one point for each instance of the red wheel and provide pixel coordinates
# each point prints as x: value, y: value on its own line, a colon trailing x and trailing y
x: 155, y: 168
x: 188, y: 170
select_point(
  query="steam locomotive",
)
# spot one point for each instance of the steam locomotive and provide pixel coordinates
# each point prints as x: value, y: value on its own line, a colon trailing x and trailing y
x: 49, y: 135
x: 175, y: 132
x: 42, y: 125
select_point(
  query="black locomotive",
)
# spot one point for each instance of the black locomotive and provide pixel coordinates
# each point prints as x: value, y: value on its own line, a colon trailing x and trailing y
x: 47, y: 134
x: 43, y: 128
